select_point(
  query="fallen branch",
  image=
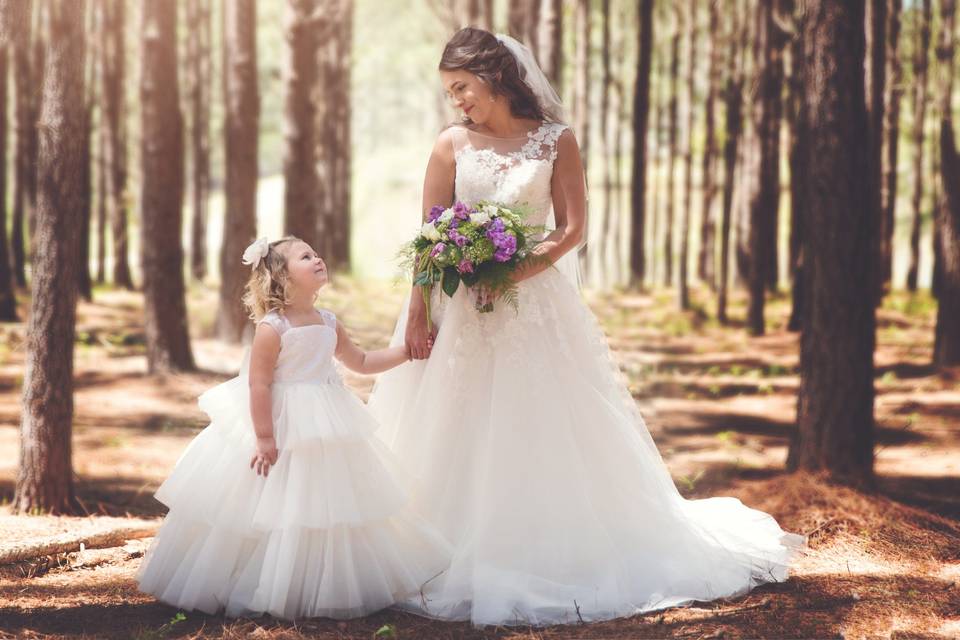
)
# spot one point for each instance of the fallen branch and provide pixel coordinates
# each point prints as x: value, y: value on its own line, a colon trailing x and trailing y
x: 70, y: 542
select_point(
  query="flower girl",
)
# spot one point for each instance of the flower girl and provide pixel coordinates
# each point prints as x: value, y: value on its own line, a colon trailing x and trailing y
x: 286, y: 503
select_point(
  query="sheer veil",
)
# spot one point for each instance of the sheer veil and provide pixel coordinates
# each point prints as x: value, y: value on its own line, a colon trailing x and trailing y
x: 553, y: 111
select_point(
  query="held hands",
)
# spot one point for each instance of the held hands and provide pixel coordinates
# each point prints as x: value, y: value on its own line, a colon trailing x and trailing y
x: 265, y: 457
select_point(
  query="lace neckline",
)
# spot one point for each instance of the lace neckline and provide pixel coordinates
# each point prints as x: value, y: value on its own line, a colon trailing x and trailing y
x: 528, y: 134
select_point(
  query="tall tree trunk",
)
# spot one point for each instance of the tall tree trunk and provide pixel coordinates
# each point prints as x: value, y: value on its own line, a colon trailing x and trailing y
x: 765, y: 198
x: 550, y: 40
x: 24, y: 126
x: 523, y: 19
x: 45, y: 473
x: 733, y: 100
x: 920, y: 73
x: 894, y: 92
x: 683, y: 297
x: 333, y: 137
x: 84, y: 281
x: 641, y: 117
x: 582, y: 65
x: 946, y: 347
x: 161, y: 204
x: 11, y: 19
x: 242, y: 125
x: 115, y: 130
x: 199, y: 78
x: 706, y: 267
x: 673, y: 125
x: 875, y: 78
x: 835, y: 424
x: 102, y: 196
x: 301, y: 186
x: 797, y: 158
x: 606, y: 82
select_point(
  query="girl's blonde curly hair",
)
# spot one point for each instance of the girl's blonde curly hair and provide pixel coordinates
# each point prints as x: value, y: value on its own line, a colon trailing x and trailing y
x: 268, y: 288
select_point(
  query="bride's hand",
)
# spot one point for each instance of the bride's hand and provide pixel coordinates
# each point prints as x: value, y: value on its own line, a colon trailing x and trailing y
x: 418, y: 340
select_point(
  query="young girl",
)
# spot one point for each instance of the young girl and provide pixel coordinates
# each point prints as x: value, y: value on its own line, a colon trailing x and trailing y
x: 315, y: 523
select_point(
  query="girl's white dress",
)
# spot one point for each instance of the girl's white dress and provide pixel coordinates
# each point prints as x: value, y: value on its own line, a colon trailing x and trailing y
x: 327, y: 533
x: 533, y: 459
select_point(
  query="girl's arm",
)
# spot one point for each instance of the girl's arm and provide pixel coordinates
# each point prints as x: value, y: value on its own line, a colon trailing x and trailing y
x: 437, y: 189
x: 263, y: 360
x: 368, y: 362
x: 569, y: 207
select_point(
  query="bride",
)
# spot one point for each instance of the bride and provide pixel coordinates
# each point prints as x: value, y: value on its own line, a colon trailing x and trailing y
x: 528, y: 450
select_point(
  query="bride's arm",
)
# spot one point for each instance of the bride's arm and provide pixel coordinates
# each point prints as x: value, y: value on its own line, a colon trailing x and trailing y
x: 569, y: 207
x: 437, y: 189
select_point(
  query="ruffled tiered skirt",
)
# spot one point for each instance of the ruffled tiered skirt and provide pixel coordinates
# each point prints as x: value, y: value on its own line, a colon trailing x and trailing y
x: 329, y: 532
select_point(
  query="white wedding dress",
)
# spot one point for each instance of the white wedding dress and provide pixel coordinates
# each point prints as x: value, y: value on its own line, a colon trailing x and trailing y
x: 533, y: 459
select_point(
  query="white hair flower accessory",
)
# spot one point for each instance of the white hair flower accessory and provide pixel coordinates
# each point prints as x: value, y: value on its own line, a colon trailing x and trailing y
x: 256, y: 252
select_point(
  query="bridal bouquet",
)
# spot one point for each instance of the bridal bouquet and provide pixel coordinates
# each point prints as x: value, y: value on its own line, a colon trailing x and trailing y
x: 482, y: 246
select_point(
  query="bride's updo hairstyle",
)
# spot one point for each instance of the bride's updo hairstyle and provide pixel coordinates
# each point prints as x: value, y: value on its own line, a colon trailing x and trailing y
x: 480, y: 53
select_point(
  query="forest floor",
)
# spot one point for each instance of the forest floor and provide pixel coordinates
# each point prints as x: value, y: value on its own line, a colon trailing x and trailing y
x: 719, y: 403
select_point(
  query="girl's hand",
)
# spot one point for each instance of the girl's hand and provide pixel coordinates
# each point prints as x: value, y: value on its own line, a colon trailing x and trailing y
x: 265, y: 457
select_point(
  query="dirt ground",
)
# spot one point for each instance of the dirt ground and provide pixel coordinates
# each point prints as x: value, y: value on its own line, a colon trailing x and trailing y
x: 719, y: 403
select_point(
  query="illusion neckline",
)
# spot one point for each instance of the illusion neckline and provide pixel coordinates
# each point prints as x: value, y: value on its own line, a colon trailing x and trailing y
x: 530, y: 133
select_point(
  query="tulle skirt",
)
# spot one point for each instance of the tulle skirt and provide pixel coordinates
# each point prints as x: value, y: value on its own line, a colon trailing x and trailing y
x: 329, y: 532
x: 533, y: 461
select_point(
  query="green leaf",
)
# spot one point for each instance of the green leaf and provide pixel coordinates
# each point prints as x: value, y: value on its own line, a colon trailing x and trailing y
x: 386, y: 631
x: 451, y: 282
x: 423, y: 278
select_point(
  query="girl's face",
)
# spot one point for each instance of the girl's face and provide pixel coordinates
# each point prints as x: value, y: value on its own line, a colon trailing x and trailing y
x: 470, y: 94
x: 306, y: 270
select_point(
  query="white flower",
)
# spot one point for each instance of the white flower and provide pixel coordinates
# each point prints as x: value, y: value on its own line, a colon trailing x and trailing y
x: 491, y: 210
x: 256, y: 252
x: 447, y: 215
x: 481, y: 217
x: 429, y: 231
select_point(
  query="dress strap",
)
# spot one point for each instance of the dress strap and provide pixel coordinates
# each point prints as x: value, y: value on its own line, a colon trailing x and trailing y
x: 329, y: 318
x: 542, y: 143
x: 276, y: 321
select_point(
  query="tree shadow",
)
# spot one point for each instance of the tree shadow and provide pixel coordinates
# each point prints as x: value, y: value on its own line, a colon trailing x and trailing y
x: 940, y: 494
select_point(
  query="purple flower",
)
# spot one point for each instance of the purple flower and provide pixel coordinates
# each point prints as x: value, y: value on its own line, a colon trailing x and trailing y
x: 438, y: 249
x: 461, y: 211
x: 506, y: 248
x: 458, y: 238
x: 435, y: 212
x: 465, y: 266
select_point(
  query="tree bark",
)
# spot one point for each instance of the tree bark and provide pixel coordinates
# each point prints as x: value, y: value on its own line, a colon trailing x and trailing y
x: 522, y: 21
x: 168, y: 340
x: 582, y: 65
x: 875, y: 78
x: 765, y: 196
x: 84, y: 281
x: 333, y: 137
x: 641, y: 117
x: 671, y: 150
x: 683, y: 293
x: 242, y: 125
x: 706, y: 267
x: 115, y: 130
x: 835, y: 424
x: 24, y: 125
x: 301, y: 185
x: 10, y: 21
x: 733, y: 99
x: 946, y: 348
x: 798, y: 132
x: 920, y: 73
x: 199, y: 77
x: 891, y: 137
x: 550, y: 40
x: 45, y: 473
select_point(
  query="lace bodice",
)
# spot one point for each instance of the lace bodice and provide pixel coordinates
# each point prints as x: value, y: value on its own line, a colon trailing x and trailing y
x: 511, y: 171
x: 306, y: 352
